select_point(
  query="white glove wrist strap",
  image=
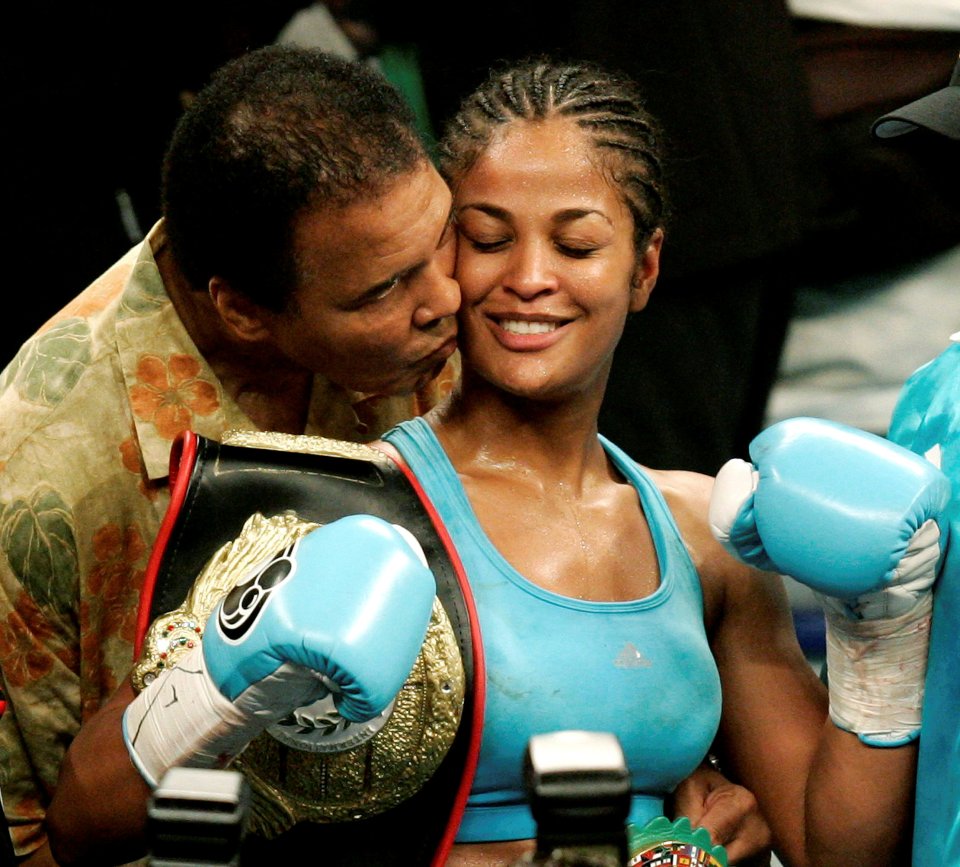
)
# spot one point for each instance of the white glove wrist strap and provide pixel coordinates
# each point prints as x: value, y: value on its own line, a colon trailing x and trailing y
x: 876, y: 671
x: 181, y: 718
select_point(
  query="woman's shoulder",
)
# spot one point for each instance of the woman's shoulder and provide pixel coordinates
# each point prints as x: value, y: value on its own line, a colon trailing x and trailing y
x: 687, y: 495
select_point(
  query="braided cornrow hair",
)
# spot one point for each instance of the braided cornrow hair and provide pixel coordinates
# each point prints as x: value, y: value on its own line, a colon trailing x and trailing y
x: 608, y: 107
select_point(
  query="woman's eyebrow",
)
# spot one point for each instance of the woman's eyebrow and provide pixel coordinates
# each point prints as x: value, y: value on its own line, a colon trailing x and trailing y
x: 485, y: 208
x: 567, y: 215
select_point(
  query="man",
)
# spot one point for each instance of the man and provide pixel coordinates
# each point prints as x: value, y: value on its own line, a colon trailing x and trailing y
x: 300, y: 282
x: 927, y: 421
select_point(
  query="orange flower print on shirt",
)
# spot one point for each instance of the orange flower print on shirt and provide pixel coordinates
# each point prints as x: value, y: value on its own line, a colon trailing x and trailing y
x: 130, y: 456
x: 109, y: 605
x: 108, y: 610
x: 22, y: 648
x: 131, y: 460
x: 169, y: 394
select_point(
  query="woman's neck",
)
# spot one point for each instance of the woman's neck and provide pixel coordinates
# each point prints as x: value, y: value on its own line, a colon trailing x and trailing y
x: 486, y: 432
x: 547, y: 496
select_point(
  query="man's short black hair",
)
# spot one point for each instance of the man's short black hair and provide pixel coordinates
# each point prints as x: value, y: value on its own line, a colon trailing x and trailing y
x: 276, y: 131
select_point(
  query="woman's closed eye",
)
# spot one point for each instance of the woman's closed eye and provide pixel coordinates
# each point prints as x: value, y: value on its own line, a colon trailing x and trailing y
x: 576, y: 250
x: 485, y: 243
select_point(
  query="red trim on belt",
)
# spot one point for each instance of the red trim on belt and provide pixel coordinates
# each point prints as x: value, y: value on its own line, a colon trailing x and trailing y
x: 183, y: 455
x: 479, y: 674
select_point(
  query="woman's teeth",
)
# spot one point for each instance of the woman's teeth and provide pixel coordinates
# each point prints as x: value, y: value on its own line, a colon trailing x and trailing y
x: 522, y: 326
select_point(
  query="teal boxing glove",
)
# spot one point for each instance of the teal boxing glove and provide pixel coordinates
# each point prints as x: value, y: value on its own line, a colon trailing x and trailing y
x: 861, y: 521
x: 342, y: 612
x: 843, y: 511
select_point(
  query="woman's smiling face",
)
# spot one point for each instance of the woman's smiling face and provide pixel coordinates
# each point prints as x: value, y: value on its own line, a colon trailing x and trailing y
x: 546, y: 262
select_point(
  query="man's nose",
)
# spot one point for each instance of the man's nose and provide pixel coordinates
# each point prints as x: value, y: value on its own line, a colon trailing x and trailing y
x: 440, y: 296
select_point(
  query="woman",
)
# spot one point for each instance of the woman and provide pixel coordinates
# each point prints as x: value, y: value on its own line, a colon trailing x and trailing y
x: 603, y: 600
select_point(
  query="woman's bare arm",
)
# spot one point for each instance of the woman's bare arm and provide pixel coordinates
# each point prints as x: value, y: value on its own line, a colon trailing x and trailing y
x: 829, y: 799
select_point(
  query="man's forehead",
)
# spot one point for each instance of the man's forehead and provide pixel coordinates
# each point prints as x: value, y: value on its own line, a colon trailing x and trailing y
x: 412, y: 199
x: 367, y: 240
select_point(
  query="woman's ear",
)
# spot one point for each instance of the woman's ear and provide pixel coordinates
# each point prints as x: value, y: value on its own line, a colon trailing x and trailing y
x: 646, y: 272
x: 242, y: 317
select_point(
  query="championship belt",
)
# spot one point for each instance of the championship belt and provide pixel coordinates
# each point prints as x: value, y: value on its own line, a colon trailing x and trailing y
x: 389, y: 791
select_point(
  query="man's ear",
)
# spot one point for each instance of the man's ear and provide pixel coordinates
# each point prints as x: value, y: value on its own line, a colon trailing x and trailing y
x: 646, y: 272
x: 242, y: 317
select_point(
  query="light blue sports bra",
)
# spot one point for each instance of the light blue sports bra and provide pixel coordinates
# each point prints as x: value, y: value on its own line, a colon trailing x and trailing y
x: 640, y: 669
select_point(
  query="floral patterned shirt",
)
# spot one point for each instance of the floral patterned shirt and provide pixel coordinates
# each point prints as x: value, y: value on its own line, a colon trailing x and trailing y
x: 90, y: 406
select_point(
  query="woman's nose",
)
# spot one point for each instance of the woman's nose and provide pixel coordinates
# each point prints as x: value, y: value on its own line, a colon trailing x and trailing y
x: 531, y: 270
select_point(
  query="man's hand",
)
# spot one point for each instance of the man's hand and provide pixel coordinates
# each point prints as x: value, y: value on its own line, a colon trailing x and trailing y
x: 728, y: 811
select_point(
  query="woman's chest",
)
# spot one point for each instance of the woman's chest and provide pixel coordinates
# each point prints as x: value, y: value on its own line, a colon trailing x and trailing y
x: 642, y: 671
x: 599, y: 549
